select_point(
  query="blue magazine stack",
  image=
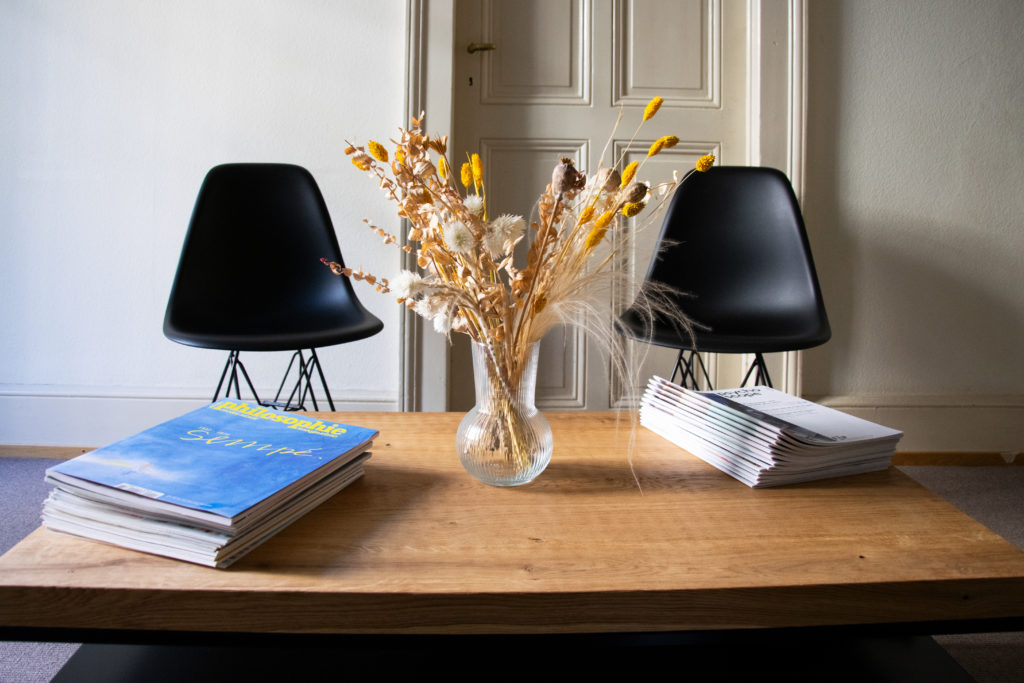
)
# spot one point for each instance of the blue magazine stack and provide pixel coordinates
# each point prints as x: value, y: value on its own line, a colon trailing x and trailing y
x: 209, y: 486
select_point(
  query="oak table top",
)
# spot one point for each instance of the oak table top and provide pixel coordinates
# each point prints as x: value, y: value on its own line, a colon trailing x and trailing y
x: 417, y: 546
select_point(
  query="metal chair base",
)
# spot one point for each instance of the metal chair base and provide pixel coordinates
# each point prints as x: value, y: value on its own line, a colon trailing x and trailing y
x: 301, y: 389
x: 689, y: 362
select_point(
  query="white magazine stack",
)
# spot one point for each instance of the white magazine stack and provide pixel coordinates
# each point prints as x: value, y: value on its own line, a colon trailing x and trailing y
x: 765, y: 437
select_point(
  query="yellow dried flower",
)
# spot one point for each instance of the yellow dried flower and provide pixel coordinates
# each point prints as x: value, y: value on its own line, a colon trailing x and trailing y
x: 631, y: 209
x: 378, y: 151
x: 596, y: 235
x: 705, y: 162
x: 466, y: 175
x: 604, y: 220
x: 349, y: 150
x: 478, y: 170
x: 400, y: 155
x: 662, y: 143
x: 586, y: 215
x: 628, y: 173
x: 652, y: 107
x: 443, y: 169
x: 362, y: 162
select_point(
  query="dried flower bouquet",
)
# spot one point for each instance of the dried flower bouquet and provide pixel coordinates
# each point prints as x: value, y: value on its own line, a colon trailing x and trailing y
x: 468, y: 280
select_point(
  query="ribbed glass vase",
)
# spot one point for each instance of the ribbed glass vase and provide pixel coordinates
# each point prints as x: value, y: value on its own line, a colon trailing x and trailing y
x: 504, y: 440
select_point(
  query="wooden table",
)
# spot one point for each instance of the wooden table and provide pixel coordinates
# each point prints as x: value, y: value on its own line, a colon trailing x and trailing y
x: 419, y: 547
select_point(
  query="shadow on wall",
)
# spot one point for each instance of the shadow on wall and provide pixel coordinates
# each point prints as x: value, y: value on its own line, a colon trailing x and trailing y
x: 934, y: 329
x: 830, y: 245
x: 914, y: 309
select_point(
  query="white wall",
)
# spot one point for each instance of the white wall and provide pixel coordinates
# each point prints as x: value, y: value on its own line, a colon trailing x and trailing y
x: 915, y: 204
x: 111, y: 112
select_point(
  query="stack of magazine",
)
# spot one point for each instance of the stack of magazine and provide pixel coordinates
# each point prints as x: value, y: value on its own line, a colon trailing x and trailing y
x: 765, y: 437
x: 209, y: 486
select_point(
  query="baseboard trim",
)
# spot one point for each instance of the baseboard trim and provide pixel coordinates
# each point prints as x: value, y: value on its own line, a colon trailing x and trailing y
x: 942, y: 423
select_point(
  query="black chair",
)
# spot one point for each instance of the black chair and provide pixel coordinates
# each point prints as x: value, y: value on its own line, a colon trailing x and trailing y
x: 734, y: 251
x: 250, y: 277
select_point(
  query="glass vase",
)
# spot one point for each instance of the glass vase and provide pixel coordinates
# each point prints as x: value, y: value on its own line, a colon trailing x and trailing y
x: 504, y: 440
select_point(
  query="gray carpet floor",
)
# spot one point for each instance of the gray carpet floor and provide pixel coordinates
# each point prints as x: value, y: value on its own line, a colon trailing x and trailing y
x: 991, y: 495
x: 22, y: 492
x: 995, y: 497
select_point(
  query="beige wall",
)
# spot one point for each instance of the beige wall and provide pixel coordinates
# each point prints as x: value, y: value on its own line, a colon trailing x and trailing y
x: 915, y: 204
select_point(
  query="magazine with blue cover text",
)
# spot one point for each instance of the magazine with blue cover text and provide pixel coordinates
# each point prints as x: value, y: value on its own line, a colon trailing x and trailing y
x: 225, y: 460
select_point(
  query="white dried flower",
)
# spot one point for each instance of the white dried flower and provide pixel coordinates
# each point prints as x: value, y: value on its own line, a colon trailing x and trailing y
x: 494, y: 245
x: 502, y: 230
x: 438, y: 310
x: 409, y: 285
x: 475, y: 205
x: 428, y: 306
x: 508, y: 226
x: 458, y: 237
x: 442, y: 324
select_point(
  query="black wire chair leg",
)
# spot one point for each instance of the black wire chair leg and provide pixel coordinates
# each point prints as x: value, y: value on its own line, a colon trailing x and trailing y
x: 276, y: 403
x: 685, y: 370
x: 239, y: 365
x: 762, y: 372
x: 231, y: 368
x: 233, y: 379
x: 307, y: 386
x: 323, y: 381
x: 761, y: 377
x: 223, y: 374
x: 289, y: 404
x: 303, y: 386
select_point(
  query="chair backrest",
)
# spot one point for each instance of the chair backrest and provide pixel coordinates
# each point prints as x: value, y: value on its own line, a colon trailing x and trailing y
x: 250, y: 276
x: 734, y: 242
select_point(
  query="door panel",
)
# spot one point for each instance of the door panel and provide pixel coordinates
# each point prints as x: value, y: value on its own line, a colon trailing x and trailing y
x: 544, y: 53
x: 553, y: 86
x: 684, y: 75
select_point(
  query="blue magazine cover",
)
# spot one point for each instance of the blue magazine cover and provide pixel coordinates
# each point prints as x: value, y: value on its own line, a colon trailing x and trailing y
x: 223, y: 458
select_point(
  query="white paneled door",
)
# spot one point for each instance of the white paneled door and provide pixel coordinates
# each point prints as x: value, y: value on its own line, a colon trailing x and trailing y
x: 535, y: 80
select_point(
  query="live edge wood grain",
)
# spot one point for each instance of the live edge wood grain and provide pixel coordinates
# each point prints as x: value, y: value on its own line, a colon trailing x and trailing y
x: 418, y: 546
